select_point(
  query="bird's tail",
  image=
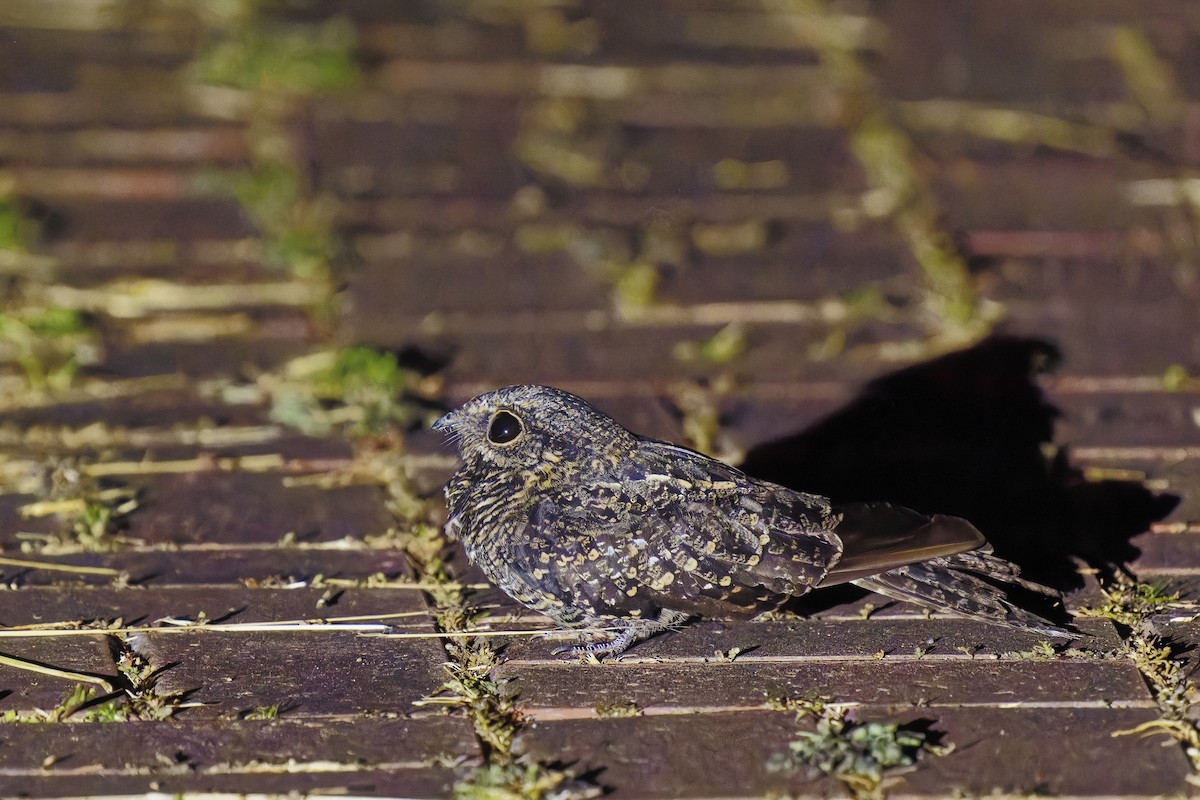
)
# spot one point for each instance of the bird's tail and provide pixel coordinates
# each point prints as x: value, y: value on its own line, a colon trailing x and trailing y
x: 953, y: 584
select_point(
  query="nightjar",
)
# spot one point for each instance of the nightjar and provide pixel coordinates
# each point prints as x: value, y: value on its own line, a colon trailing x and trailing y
x: 593, y: 526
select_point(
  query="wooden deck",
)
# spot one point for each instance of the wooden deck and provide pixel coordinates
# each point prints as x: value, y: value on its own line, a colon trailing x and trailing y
x: 935, y: 253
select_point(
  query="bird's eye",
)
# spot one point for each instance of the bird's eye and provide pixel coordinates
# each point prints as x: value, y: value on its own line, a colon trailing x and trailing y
x: 504, y: 428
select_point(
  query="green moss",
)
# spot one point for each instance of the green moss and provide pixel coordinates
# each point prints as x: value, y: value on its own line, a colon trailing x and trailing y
x: 634, y: 285
x: 94, y: 527
x: 17, y: 231
x: 859, y: 754
x: 361, y: 369
x: 1128, y: 602
x: 49, y: 344
x: 136, y: 696
x: 1133, y: 605
x: 279, y: 66
x: 721, y: 349
x: 1176, y: 378
x: 522, y: 780
x: 899, y: 192
x: 698, y: 404
x: 75, y: 698
x: 92, y: 517
x: 98, y: 527
x: 267, y: 189
x: 618, y: 708
x: 54, y: 321
x: 361, y: 390
x: 255, y: 55
x: 296, y: 227
x: 262, y: 712
x: 1148, y: 77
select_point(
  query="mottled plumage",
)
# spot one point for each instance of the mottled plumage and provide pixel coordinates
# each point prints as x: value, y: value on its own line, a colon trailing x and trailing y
x: 579, y: 519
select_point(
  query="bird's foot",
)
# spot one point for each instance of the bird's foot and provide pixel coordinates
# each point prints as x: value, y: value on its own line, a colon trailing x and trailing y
x: 626, y: 638
x: 610, y: 647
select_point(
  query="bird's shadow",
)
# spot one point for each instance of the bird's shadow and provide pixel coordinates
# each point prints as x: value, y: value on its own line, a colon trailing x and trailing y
x: 966, y: 434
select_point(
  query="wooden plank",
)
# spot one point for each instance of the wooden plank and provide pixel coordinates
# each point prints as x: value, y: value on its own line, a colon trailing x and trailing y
x: 22, y: 690
x: 428, y: 782
x: 150, y: 408
x: 243, y: 508
x: 805, y: 640
x: 221, y: 564
x: 550, y: 691
x: 205, y: 753
x: 146, y: 605
x: 996, y: 750
x: 317, y: 674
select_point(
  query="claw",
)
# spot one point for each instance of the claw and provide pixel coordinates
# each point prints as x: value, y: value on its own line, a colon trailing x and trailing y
x: 611, y: 647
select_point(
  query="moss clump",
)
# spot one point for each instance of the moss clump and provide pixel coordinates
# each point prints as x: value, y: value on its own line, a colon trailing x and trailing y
x: 859, y: 754
x: 49, y: 344
x: 132, y: 695
x: 1128, y: 602
x: 523, y: 780
x: 361, y: 390
x: 252, y: 55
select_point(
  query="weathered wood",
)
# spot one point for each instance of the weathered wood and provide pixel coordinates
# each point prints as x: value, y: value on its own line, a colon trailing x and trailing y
x: 552, y: 690
x: 253, y: 566
x: 817, y: 640
x: 431, y: 782
x: 198, y: 754
x: 320, y: 674
x: 22, y: 690
x: 244, y: 508
x: 995, y: 750
x: 232, y: 603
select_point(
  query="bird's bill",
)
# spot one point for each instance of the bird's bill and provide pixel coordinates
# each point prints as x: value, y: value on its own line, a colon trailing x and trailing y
x: 446, y: 423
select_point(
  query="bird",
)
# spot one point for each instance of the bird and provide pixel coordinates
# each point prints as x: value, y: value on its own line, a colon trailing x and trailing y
x: 598, y: 528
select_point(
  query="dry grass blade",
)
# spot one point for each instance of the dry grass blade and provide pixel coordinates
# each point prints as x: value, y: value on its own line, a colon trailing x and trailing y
x: 479, y: 633
x: 26, y: 564
x: 471, y: 634
x: 356, y: 623
x: 424, y: 586
x: 55, y: 672
x: 259, y: 463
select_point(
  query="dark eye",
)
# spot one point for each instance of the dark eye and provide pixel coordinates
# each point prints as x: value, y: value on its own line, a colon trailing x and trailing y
x: 505, y: 427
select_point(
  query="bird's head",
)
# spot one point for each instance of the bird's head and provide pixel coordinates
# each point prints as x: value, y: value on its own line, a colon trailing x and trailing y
x: 519, y: 427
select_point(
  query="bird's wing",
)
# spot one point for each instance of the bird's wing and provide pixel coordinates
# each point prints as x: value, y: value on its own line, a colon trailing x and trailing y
x: 681, y: 531
x: 877, y: 537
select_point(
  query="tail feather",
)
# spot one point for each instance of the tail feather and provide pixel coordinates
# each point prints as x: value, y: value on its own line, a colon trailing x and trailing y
x: 877, y: 537
x: 982, y: 561
x: 947, y: 584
